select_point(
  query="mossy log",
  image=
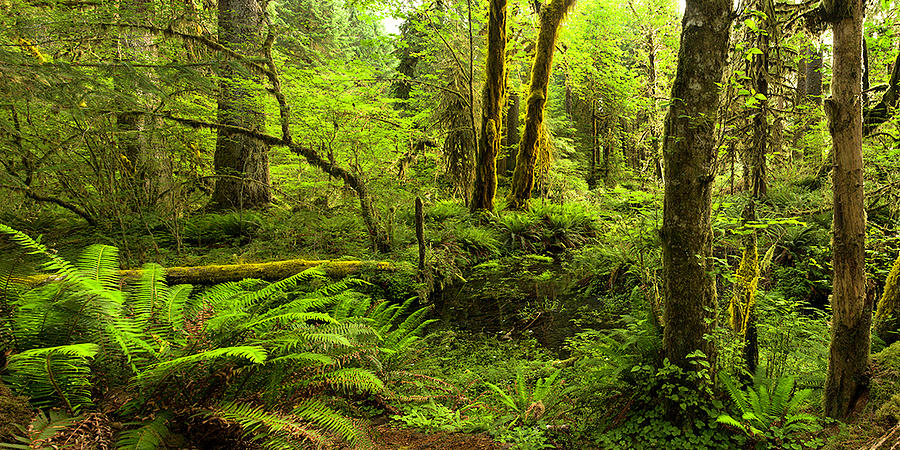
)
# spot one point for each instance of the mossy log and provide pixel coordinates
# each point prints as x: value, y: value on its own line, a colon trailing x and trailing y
x: 270, y: 271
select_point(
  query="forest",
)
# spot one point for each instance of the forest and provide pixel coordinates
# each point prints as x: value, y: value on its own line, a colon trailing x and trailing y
x: 447, y: 224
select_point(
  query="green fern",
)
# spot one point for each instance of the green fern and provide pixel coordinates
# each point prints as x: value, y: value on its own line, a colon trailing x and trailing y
x: 268, y: 429
x: 150, y: 435
x: 768, y: 407
x: 159, y: 371
x: 43, y: 427
x: 55, y: 374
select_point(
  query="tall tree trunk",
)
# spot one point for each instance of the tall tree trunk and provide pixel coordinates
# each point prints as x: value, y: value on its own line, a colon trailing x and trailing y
x: 849, y: 352
x: 143, y: 165
x: 511, y: 132
x: 814, y: 74
x: 689, y: 150
x: 551, y: 16
x: 494, y: 94
x: 241, y: 162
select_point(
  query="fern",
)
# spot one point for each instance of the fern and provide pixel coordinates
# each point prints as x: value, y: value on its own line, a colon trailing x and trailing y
x: 316, y: 412
x: 42, y: 428
x: 159, y: 371
x: 55, y: 373
x: 149, y: 436
x: 767, y: 407
x: 270, y: 430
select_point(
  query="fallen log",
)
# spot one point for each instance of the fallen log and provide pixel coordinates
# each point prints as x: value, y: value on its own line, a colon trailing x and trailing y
x: 269, y: 271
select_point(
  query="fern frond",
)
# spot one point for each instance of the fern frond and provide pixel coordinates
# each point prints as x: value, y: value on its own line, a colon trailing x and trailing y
x: 316, y: 412
x: 150, y: 435
x: 273, y: 431
x: 61, y: 373
x: 351, y: 379
x: 737, y: 396
x: 780, y: 396
x: 149, y: 294
x: 100, y: 263
x: 158, y: 371
x: 288, y: 318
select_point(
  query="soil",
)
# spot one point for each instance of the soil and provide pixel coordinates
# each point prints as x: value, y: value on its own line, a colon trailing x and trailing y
x: 396, y: 438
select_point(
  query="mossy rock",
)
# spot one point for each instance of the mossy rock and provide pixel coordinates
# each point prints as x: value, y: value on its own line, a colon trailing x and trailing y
x: 14, y: 410
x: 890, y: 411
x: 886, y: 375
x: 889, y: 358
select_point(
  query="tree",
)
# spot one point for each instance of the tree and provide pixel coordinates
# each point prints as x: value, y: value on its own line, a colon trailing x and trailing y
x: 241, y: 161
x: 849, y: 351
x: 689, y: 151
x: 551, y: 15
x: 494, y: 96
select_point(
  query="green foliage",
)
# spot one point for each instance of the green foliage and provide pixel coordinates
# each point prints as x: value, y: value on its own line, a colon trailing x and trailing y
x: 42, y: 428
x: 300, y: 338
x: 433, y: 416
x: 239, y: 226
x: 668, y: 407
x: 770, y: 411
x: 55, y: 373
x: 151, y: 434
x: 525, y: 438
x: 529, y: 404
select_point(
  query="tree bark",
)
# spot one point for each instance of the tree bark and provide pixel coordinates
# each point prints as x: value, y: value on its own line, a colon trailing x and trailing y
x: 511, y: 134
x: 551, y: 15
x: 492, y: 110
x: 849, y: 352
x: 814, y: 74
x: 689, y: 150
x: 241, y: 161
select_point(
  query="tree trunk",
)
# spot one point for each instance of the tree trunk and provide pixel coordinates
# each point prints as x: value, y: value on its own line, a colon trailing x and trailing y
x: 511, y: 134
x: 887, y: 317
x: 492, y: 110
x: 689, y: 151
x: 814, y: 74
x: 849, y: 353
x: 143, y: 167
x: 241, y: 162
x: 551, y: 15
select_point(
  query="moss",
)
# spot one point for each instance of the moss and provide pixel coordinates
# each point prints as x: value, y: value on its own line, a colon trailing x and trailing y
x: 886, y: 374
x: 887, y: 317
x: 14, y: 410
x: 890, y: 411
x: 271, y: 271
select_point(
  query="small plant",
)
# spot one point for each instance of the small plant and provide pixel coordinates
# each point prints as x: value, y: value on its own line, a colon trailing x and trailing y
x: 433, y: 416
x: 525, y: 438
x: 530, y: 405
x: 770, y: 411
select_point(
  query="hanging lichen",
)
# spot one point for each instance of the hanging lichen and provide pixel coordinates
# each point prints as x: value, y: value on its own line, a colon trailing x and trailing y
x: 745, y: 284
x: 887, y: 317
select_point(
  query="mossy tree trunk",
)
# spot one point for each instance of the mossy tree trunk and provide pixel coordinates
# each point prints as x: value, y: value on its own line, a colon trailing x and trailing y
x: 551, y: 15
x: 511, y: 132
x: 494, y: 96
x: 689, y: 151
x: 887, y: 317
x: 241, y: 162
x: 849, y: 351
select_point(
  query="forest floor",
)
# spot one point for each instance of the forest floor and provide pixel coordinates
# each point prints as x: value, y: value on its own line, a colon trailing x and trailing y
x: 388, y: 436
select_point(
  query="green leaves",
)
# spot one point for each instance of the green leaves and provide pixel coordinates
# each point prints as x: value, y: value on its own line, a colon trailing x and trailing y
x: 53, y: 374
